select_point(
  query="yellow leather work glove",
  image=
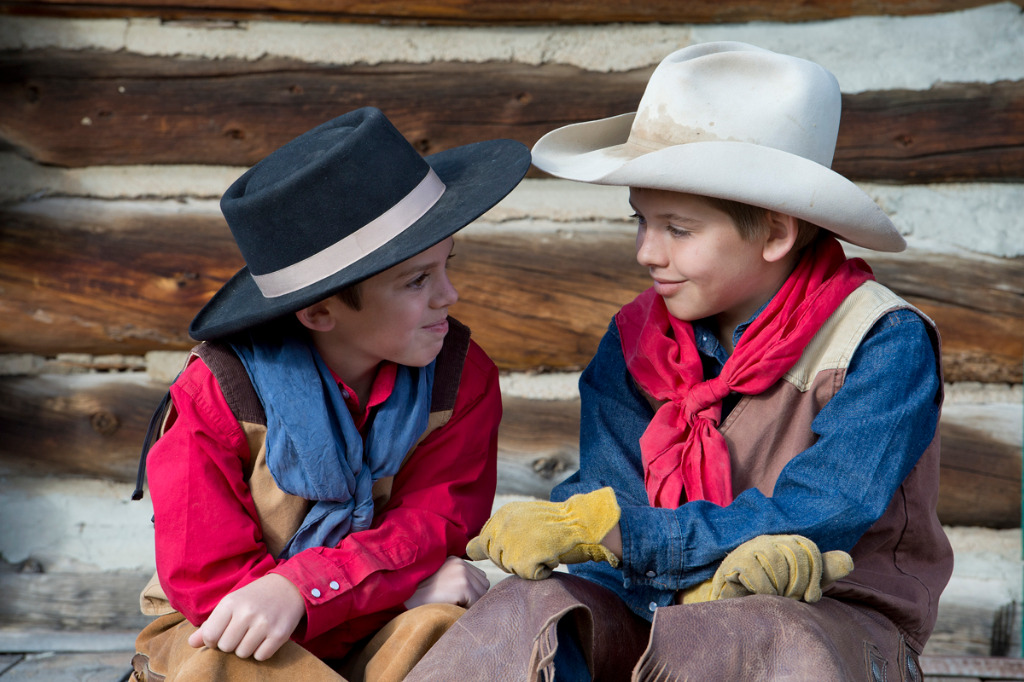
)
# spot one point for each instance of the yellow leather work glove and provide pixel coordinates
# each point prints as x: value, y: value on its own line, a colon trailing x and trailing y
x: 532, y: 538
x: 784, y: 565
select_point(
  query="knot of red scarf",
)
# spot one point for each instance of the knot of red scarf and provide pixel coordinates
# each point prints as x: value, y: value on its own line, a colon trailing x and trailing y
x: 684, y: 455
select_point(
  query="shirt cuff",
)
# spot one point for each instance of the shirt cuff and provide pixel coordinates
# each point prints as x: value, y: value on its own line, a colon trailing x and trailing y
x: 653, y: 551
x: 324, y: 588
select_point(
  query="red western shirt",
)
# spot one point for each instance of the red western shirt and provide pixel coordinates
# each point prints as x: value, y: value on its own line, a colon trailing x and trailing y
x: 209, y: 541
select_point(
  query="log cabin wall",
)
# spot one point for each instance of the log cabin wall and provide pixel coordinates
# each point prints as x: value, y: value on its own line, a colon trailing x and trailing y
x: 122, y: 123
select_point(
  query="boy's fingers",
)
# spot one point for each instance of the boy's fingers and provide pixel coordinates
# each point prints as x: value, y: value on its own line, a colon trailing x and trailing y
x: 195, y: 640
x: 473, y: 593
x: 252, y: 642
x: 836, y: 565
x: 231, y: 638
x: 475, y: 550
x: 268, y: 646
x: 478, y: 579
x: 210, y: 632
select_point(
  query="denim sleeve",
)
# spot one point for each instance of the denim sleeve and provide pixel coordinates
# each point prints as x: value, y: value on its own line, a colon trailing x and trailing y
x: 614, y: 414
x: 871, y: 435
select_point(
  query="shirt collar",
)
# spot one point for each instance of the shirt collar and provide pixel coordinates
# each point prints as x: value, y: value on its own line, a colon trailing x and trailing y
x: 707, y: 342
x: 380, y: 390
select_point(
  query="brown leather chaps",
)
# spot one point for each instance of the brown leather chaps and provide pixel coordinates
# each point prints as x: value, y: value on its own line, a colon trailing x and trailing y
x: 510, y: 635
x: 164, y: 655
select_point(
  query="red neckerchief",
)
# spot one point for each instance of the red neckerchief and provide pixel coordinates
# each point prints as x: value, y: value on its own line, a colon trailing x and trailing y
x: 682, y: 450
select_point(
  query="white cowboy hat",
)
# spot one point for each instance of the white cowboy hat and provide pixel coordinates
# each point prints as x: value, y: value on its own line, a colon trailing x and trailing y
x: 732, y: 121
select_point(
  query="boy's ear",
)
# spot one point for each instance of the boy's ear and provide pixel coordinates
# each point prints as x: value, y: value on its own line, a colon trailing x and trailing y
x: 782, y: 233
x: 317, y: 317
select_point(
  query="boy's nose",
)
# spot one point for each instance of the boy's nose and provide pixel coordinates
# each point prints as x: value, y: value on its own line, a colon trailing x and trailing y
x: 648, y: 253
x: 446, y: 294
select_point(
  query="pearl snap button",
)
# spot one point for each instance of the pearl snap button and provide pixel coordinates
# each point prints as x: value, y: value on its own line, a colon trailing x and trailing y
x: 315, y: 592
x: 334, y: 585
x: 652, y: 606
x: 651, y: 574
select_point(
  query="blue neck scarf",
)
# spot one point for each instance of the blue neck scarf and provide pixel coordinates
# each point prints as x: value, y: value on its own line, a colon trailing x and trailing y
x: 314, y: 450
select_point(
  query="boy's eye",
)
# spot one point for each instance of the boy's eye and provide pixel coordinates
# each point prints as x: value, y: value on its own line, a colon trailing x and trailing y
x: 419, y: 281
x: 638, y: 218
x: 678, y: 231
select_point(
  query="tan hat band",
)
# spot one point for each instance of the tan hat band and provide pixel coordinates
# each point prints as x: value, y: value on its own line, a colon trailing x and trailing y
x: 356, y: 245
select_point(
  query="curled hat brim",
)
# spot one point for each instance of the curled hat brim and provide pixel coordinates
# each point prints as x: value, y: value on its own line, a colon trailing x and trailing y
x: 598, y: 152
x: 476, y: 177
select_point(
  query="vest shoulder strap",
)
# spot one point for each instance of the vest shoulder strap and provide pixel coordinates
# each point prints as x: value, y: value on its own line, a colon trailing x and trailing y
x: 233, y: 381
x: 448, y: 370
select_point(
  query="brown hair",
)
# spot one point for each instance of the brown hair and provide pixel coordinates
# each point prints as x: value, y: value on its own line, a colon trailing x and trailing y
x: 752, y: 221
x: 351, y: 296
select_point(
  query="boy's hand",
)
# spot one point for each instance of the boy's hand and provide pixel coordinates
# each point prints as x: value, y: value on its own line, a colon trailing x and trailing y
x: 784, y: 565
x: 532, y: 538
x: 456, y: 582
x: 254, y: 620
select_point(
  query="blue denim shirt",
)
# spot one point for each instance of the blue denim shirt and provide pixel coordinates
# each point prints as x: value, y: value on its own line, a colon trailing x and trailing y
x: 871, y: 435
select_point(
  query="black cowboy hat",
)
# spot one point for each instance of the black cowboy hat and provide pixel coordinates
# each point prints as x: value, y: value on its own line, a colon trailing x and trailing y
x: 340, y: 203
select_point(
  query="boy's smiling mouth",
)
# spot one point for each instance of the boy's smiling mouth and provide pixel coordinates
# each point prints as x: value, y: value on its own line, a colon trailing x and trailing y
x: 666, y: 287
x: 440, y: 326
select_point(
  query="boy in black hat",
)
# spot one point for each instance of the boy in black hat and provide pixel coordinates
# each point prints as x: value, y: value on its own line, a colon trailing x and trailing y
x: 330, y: 448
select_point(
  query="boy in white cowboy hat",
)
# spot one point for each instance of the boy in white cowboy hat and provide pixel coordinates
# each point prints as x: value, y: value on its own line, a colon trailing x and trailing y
x: 331, y: 446
x: 764, y: 385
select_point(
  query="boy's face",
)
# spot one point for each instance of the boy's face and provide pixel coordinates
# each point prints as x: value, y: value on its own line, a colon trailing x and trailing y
x: 700, y: 264
x: 404, y: 313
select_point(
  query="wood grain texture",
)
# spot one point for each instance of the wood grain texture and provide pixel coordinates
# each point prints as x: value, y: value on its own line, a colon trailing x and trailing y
x: 125, y: 277
x: 89, y: 425
x: 905, y: 136
x: 97, y: 276
x: 93, y: 425
x: 93, y: 666
x: 154, y: 110
x: 65, y: 601
x: 979, y: 481
x: 80, y: 109
x: 976, y: 301
x: 474, y: 12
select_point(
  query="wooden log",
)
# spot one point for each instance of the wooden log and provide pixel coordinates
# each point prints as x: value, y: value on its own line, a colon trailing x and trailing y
x: 486, y: 11
x: 964, y: 629
x: 112, y: 277
x: 538, y: 445
x: 102, y: 278
x: 976, y: 667
x: 978, y: 317
x: 79, y: 109
x: 980, y: 474
x: 79, y: 425
x: 93, y: 425
x: 228, y: 111
x: 64, y: 665
x: 8, y: 661
x: 73, y: 601
x: 905, y: 136
x: 549, y: 297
